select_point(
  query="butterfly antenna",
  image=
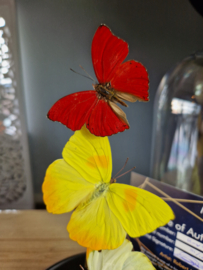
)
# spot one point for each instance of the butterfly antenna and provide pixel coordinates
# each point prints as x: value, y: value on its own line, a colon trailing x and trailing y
x: 82, y: 267
x: 125, y: 172
x: 121, y: 168
x: 81, y: 74
x: 87, y: 73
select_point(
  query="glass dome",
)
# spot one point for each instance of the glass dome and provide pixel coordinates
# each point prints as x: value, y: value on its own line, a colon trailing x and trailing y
x: 177, y: 156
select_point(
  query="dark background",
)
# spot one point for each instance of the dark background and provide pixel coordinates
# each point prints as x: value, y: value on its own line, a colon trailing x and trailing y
x: 56, y: 35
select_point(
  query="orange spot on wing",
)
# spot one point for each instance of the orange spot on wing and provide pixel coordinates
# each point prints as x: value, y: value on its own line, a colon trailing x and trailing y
x: 98, y: 161
x: 129, y: 202
x: 100, y: 241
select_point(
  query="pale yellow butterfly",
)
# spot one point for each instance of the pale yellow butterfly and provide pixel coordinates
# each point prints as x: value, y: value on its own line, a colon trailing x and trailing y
x: 121, y: 258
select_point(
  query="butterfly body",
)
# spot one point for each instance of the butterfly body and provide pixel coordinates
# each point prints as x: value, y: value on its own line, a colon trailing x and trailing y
x: 100, y: 190
x: 107, y: 93
x: 117, y: 81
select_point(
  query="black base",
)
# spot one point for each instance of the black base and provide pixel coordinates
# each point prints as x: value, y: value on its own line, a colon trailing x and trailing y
x: 71, y: 263
x: 198, y: 5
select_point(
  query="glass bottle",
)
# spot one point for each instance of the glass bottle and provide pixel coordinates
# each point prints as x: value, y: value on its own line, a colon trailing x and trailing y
x: 177, y: 155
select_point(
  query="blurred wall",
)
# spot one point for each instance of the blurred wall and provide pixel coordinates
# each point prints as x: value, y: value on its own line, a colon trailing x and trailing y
x: 55, y: 35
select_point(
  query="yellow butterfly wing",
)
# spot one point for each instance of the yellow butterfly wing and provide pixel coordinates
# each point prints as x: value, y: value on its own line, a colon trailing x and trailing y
x: 138, y: 210
x: 64, y: 188
x: 94, y: 225
x: 89, y: 155
x: 87, y: 163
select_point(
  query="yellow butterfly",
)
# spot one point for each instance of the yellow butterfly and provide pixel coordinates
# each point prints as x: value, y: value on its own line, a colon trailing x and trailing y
x: 104, y: 211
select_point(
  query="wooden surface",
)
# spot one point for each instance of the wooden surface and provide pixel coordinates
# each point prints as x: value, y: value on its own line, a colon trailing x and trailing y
x: 34, y: 240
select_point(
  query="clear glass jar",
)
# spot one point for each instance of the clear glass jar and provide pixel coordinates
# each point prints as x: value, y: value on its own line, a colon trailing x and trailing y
x: 177, y: 155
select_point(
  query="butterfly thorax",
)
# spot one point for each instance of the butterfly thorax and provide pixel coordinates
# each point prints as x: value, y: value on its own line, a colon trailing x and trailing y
x: 106, y: 92
x: 100, y: 190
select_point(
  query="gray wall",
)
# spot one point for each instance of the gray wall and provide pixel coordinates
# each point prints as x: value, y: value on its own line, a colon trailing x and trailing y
x: 56, y: 35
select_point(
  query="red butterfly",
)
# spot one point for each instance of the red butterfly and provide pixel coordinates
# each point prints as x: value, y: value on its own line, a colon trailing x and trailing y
x: 118, y: 81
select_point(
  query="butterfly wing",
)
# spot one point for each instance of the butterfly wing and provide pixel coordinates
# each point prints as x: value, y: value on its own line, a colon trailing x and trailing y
x: 129, y: 79
x: 94, y: 225
x: 73, y: 110
x: 84, y: 107
x: 64, y: 188
x: 106, y: 120
x: 87, y: 162
x: 108, y: 52
x: 89, y: 155
x: 136, y: 261
x: 109, y: 259
x: 138, y: 210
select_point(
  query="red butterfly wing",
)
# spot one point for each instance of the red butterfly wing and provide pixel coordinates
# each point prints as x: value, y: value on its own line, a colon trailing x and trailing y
x: 108, y: 52
x: 73, y: 110
x: 103, y: 121
x: 81, y: 108
x: 131, y: 77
